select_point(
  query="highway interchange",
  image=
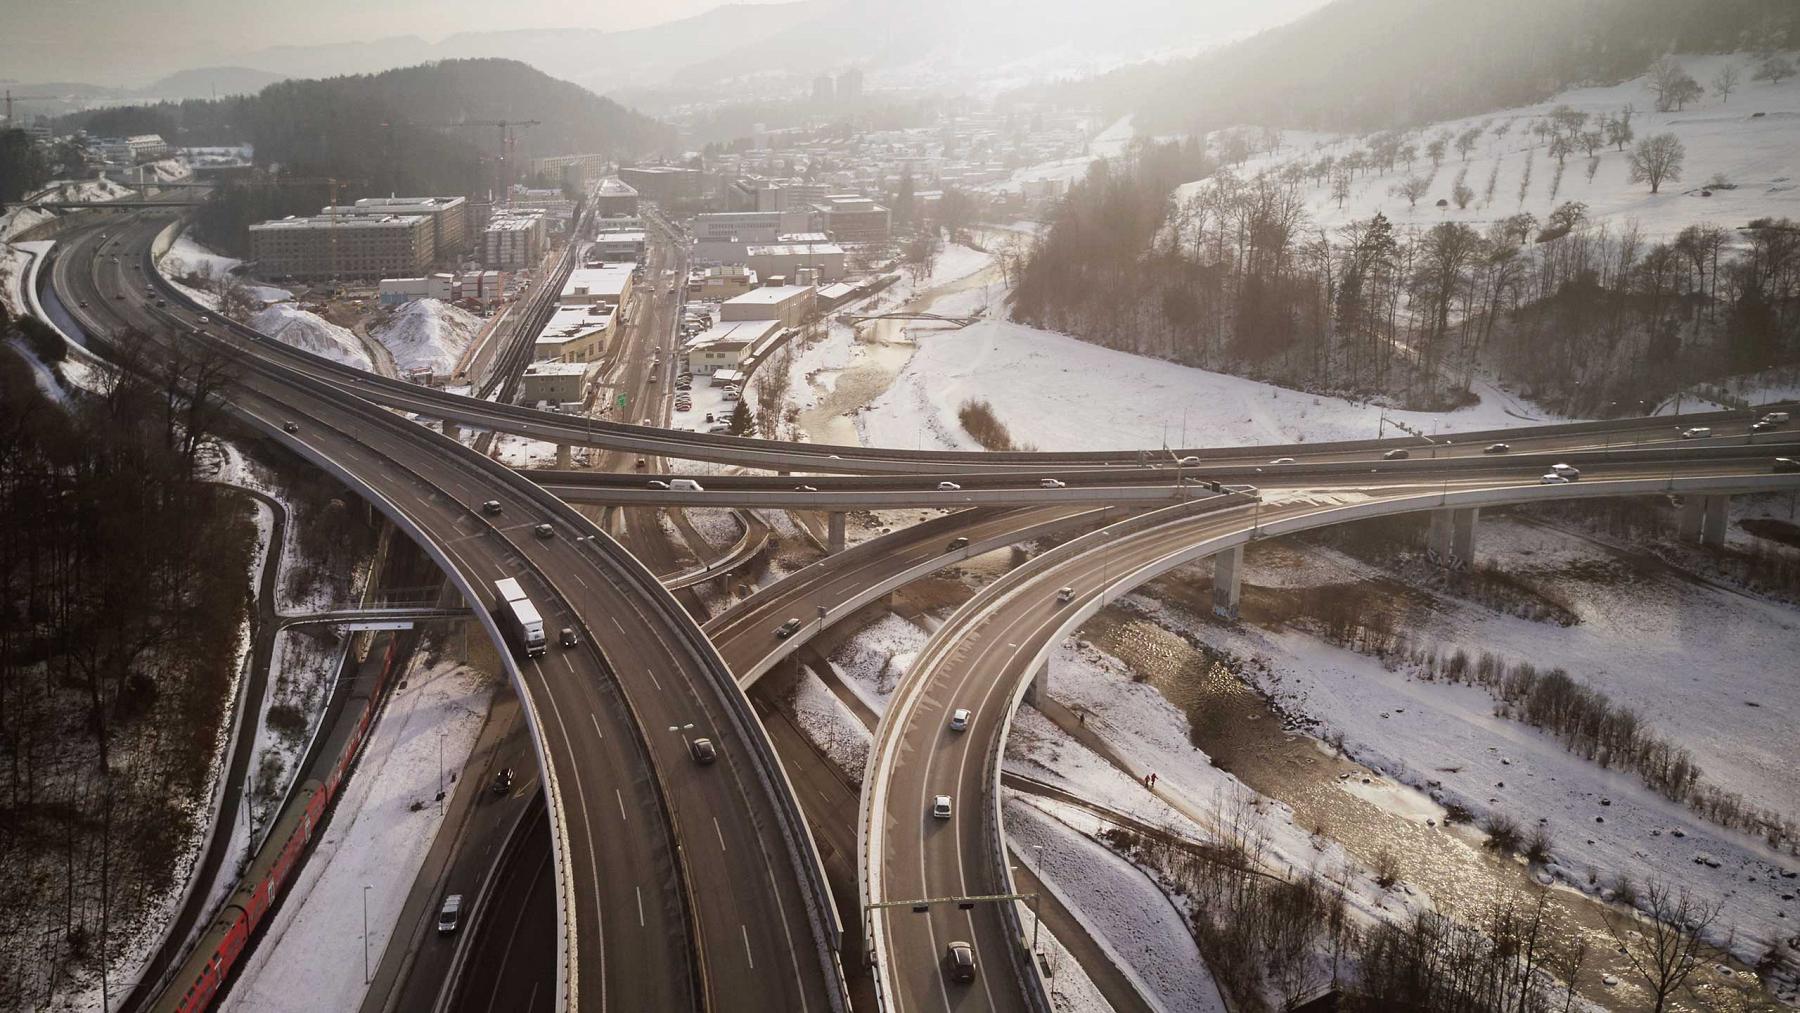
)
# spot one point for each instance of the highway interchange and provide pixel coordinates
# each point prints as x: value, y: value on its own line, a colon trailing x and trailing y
x: 657, y: 912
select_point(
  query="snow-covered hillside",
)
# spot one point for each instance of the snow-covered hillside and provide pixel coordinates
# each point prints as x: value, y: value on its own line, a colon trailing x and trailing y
x: 292, y: 325
x: 428, y: 333
x: 1750, y: 141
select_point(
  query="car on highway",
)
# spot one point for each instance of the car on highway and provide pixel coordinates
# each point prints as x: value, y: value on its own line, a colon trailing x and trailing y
x: 1496, y: 448
x: 645, y: 422
x: 1786, y: 464
x: 704, y: 751
x: 1775, y: 418
x: 1566, y: 471
x: 1396, y: 455
x: 120, y: 296
x: 290, y: 427
x: 162, y: 304
x: 940, y: 807
x: 491, y: 507
x: 960, y: 957
x: 203, y: 318
x: 1696, y: 433
x: 82, y: 303
x: 503, y: 781
x: 544, y: 531
x: 1760, y: 426
x: 450, y: 915
x: 959, y: 542
x: 1052, y: 483
x: 949, y: 487
x: 1189, y: 461
x: 786, y: 630
x: 1282, y: 460
x: 959, y: 719
x: 657, y: 483
x: 1552, y: 478
x: 1064, y: 595
x: 806, y: 488
x: 685, y: 485
x: 567, y: 637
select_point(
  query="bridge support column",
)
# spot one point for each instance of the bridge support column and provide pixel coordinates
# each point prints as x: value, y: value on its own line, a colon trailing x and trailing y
x: 1693, y: 517
x: 1718, y: 514
x: 1228, y: 582
x: 1040, y: 683
x: 1437, y: 542
x: 564, y: 458
x: 452, y: 430
x: 1462, y: 534
x: 834, y: 532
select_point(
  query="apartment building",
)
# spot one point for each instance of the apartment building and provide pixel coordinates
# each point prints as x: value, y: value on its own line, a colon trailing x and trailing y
x: 336, y: 247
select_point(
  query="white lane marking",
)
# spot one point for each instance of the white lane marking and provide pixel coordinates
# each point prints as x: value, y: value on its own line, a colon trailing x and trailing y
x: 653, y: 681
x: 640, y: 896
x: 621, y: 798
x: 721, y: 833
x: 747, y: 955
x: 596, y: 720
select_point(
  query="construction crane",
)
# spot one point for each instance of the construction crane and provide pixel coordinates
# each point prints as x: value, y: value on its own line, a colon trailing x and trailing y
x: 11, y: 98
x: 507, y: 141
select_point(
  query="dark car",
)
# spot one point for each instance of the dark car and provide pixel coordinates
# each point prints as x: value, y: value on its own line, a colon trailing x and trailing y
x: 503, y: 781
x: 960, y: 956
x: 491, y: 507
x: 786, y: 630
x: 290, y: 427
x: 1396, y: 455
x: 1496, y: 448
x: 544, y: 531
x: 567, y: 637
x: 704, y: 751
x: 959, y: 542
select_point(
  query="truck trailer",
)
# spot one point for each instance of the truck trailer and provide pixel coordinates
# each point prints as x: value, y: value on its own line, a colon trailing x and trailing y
x: 519, y: 617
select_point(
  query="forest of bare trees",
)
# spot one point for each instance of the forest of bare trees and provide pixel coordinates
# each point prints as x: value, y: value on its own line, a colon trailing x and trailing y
x: 1592, y: 318
x: 123, y: 592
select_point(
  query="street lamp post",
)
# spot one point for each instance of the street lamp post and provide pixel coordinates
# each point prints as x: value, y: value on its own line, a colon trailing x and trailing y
x: 366, y: 976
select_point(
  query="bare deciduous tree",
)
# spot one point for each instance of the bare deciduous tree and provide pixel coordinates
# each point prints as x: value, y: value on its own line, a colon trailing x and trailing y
x: 1657, y: 160
x: 1727, y: 80
x: 1774, y: 68
x: 1413, y: 188
x: 1672, y: 85
x: 1665, y: 948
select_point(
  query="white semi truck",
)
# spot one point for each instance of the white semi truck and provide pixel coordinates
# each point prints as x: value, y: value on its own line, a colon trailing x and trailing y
x: 519, y: 617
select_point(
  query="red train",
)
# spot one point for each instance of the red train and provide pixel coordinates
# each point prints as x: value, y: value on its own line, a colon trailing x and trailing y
x: 203, y: 975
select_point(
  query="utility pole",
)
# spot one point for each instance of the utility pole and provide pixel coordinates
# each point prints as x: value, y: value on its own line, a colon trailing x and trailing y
x: 366, y: 976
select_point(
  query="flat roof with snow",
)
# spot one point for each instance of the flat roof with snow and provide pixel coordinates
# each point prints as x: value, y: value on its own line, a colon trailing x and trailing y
x: 794, y: 250
x: 772, y: 295
x: 745, y: 332
x: 557, y: 368
x: 609, y: 281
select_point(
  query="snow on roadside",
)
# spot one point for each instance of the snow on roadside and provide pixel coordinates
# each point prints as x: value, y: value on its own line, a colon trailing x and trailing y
x: 831, y: 725
x: 874, y: 661
x: 186, y: 256
x: 428, y: 334
x: 719, y: 527
x: 302, y: 669
x: 310, y: 332
x: 14, y: 262
x: 378, y: 837
x: 1122, y: 908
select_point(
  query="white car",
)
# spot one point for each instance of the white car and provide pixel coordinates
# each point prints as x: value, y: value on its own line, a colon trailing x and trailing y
x: 1282, y: 460
x: 940, y: 807
x: 949, y: 487
x: 1052, y: 483
x: 959, y: 719
x: 1696, y: 433
x: 1566, y: 471
x: 1552, y: 478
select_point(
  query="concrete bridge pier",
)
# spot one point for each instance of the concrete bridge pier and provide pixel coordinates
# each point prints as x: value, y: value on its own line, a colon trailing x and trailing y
x: 452, y: 430
x: 1452, y: 538
x: 1228, y: 582
x: 1718, y: 515
x: 1040, y: 683
x: 564, y: 458
x: 834, y: 532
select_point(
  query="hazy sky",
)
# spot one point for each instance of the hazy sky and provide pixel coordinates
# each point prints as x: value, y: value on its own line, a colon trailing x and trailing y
x: 132, y: 41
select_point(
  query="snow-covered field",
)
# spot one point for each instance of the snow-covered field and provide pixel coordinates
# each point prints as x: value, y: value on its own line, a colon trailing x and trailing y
x: 377, y: 839
x: 831, y: 725
x: 1749, y: 141
x: 428, y: 333
x: 306, y: 330
x: 186, y: 256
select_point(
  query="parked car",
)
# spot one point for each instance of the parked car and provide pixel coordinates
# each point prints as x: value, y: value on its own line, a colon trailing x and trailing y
x: 960, y: 957
x: 704, y: 751
x: 1496, y: 448
x: 730, y: 395
x: 940, y: 807
x: 1396, y: 455
x: 959, y: 719
x: 787, y: 629
x: 1696, y: 433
